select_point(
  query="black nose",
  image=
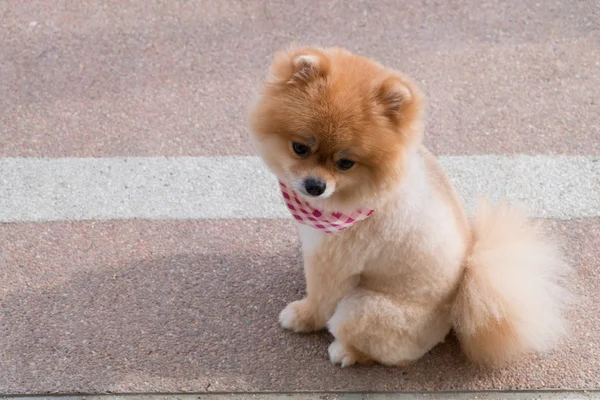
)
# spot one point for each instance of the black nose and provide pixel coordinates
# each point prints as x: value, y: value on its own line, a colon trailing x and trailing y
x: 314, y: 187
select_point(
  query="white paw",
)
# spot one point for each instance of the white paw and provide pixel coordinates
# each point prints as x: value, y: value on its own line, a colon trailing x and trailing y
x: 339, y: 355
x: 288, y: 317
x: 297, y: 317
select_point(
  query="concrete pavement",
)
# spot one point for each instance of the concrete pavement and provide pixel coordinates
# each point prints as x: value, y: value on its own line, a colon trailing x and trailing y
x: 153, y: 77
x: 548, y: 395
x: 98, y: 294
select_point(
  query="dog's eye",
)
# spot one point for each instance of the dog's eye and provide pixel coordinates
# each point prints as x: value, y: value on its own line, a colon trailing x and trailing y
x: 301, y: 149
x: 344, y: 164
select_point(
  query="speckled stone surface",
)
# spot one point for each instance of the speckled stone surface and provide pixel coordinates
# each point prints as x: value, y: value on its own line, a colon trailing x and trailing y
x: 152, y: 77
x: 140, y: 306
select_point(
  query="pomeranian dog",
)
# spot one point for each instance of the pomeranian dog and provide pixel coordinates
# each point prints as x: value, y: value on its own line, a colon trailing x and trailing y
x: 392, y: 263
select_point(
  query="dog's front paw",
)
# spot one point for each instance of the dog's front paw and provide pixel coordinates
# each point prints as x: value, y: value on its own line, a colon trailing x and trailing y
x: 339, y: 354
x: 299, y: 316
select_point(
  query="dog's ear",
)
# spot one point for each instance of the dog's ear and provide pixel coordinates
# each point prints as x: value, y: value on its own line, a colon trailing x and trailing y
x: 393, y: 94
x: 398, y: 98
x: 299, y: 66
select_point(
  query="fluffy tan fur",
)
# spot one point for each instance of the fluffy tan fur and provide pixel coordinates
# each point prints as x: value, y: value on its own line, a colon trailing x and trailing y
x: 393, y: 286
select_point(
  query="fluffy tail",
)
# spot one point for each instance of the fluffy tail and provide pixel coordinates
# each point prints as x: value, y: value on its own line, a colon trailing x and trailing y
x: 512, y: 298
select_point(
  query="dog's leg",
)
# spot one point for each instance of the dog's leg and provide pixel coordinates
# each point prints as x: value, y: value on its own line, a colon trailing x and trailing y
x: 328, y: 280
x: 325, y: 286
x: 372, y: 326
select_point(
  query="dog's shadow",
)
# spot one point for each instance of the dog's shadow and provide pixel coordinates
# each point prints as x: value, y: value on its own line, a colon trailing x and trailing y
x: 188, y: 322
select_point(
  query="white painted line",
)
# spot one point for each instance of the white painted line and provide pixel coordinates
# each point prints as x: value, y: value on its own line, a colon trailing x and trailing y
x: 75, y: 189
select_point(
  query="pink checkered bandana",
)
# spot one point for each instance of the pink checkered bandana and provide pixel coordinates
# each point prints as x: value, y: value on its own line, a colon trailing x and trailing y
x: 328, y: 222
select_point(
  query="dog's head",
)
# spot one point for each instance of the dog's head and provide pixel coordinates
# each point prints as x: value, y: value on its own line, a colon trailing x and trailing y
x: 336, y: 126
